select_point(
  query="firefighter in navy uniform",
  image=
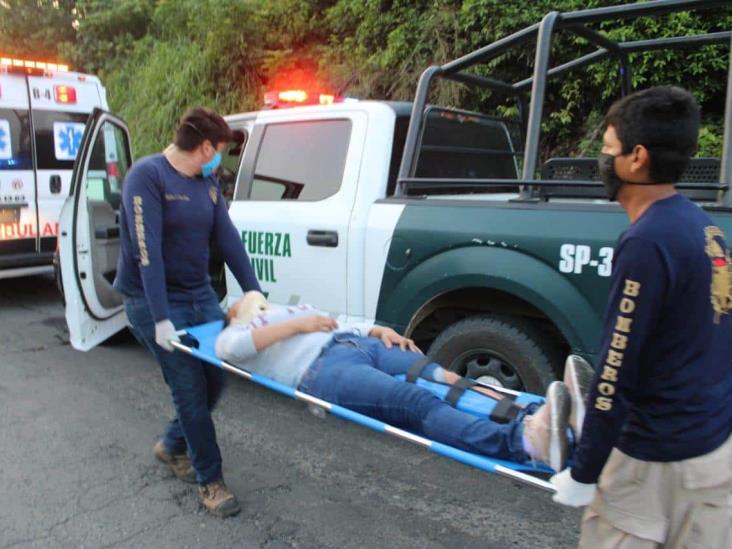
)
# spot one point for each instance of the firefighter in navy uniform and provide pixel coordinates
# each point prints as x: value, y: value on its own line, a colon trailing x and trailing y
x: 172, y: 209
x: 654, y: 462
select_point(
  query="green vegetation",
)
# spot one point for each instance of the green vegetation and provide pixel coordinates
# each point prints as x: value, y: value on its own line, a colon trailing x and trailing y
x: 158, y: 57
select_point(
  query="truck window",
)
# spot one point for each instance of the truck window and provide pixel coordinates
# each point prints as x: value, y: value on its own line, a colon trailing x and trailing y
x: 15, y: 144
x: 58, y: 138
x: 463, y: 145
x: 401, y: 125
x: 301, y: 160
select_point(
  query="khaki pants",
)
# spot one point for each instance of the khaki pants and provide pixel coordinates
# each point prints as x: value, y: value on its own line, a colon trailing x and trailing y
x: 643, y: 504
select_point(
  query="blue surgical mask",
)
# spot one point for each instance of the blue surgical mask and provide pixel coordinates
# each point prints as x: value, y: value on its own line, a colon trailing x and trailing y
x: 210, y: 167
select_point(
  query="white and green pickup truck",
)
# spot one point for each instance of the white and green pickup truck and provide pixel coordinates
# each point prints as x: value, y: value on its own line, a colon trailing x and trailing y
x: 422, y: 218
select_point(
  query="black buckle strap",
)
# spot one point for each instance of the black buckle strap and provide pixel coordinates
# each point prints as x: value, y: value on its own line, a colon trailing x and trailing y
x: 415, y: 370
x: 457, y: 390
x: 505, y: 411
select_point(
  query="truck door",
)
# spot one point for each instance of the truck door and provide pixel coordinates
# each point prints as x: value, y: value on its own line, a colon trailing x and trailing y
x: 18, y: 220
x: 295, y: 195
x: 90, y: 233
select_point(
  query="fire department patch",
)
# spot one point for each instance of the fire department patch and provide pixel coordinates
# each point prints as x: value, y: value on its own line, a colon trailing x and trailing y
x: 721, y: 290
x: 214, y: 194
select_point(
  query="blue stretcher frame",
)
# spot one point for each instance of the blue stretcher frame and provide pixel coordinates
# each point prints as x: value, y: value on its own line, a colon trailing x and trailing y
x: 205, y: 336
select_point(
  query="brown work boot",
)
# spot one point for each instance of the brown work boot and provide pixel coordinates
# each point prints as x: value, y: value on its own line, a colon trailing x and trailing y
x: 218, y: 499
x: 180, y: 464
x: 578, y: 376
x: 545, y: 432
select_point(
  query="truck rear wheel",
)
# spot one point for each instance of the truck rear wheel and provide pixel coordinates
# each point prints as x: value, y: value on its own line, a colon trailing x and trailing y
x: 500, y: 350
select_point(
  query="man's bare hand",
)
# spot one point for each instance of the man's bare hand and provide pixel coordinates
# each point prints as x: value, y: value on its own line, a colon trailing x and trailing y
x: 390, y: 338
x: 315, y: 323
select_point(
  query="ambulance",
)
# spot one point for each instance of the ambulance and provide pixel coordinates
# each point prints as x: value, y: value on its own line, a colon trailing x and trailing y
x: 43, y: 111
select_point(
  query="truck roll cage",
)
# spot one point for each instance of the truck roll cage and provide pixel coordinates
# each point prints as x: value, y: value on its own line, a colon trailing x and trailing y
x: 531, y: 109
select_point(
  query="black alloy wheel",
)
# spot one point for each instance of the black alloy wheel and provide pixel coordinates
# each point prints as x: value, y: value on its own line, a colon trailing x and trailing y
x: 499, y: 349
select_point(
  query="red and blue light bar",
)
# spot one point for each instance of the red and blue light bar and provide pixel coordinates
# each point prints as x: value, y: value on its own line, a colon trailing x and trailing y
x: 298, y: 97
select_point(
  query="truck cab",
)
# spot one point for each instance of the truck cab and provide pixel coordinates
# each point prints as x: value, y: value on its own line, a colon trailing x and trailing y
x: 312, y: 216
x: 43, y: 111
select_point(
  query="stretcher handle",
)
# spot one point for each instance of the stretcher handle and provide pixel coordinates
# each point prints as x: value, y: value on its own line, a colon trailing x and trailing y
x: 483, y: 462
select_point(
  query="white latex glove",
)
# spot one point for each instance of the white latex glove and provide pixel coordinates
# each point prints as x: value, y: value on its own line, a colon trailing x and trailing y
x: 570, y: 492
x: 165, y: 333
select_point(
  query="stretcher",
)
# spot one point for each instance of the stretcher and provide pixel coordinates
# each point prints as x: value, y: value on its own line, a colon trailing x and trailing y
x: 199, y: 341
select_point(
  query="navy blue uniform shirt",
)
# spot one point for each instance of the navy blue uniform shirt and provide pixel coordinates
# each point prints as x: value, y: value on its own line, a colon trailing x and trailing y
x: 663, y: 387
x: 167, y: 221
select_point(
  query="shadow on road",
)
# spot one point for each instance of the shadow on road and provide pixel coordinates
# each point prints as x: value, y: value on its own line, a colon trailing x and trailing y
x: 36, y: 289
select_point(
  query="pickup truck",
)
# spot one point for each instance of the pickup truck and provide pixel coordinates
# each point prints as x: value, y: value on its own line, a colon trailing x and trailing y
x: 432, y: 220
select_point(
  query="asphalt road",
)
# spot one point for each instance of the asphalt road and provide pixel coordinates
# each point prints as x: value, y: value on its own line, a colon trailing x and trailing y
x: 76, y: 467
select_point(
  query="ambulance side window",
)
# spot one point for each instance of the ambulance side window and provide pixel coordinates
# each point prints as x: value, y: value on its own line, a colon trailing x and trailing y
x: 15, y: 140
x: 301, y: 160
x: 58, y: 138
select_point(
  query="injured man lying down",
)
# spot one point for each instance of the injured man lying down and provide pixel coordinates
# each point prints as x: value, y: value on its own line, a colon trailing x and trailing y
x: 355, y: 366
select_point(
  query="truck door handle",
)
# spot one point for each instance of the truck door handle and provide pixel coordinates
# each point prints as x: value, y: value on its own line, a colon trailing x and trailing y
x: 54, y: 183
x: 327, y: 239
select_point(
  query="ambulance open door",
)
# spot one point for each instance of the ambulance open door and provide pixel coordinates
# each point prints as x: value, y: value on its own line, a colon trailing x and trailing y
x: 89, y: 232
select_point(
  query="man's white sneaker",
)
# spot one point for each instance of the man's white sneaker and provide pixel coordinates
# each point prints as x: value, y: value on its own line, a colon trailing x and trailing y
x: 545, y: 432
x: 578, y: 378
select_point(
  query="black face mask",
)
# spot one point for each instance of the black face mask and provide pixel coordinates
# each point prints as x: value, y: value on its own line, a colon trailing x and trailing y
x: 610, y: 179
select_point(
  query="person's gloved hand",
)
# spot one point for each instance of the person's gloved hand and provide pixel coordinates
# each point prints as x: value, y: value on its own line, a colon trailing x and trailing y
x: 164, y: 333
x: 570, y: 492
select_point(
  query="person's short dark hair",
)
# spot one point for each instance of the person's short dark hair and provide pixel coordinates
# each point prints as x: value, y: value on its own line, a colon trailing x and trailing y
x: 198, y: 125
x: 665, y: 120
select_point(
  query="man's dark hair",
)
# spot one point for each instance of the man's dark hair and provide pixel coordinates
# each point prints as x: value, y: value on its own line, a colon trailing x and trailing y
x: 665, y: 120
x: 198, y: 125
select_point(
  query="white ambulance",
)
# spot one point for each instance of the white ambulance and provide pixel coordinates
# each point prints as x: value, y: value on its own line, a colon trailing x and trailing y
x: 43, y: 111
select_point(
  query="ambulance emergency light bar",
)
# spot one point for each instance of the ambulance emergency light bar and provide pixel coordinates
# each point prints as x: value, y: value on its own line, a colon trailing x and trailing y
x: 296, y: 98
x: 25, y: 66
x: 62, y: 94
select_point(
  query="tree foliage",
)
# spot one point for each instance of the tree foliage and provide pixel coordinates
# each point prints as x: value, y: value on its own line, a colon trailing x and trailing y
x: 158, y: 57
x: 36, y: 29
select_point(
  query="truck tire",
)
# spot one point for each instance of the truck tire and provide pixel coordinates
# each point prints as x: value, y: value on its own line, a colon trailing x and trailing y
x: 497, y: 349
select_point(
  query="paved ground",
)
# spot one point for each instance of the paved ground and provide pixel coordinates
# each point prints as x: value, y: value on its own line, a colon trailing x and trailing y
x: 76, y: 469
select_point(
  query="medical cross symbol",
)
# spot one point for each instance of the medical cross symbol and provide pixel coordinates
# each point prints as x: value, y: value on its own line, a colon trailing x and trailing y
x: 6, y: 144
x: 3, y: 138
x: 70, y: 140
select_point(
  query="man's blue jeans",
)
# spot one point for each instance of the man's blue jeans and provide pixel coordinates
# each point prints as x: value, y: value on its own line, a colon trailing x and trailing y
x: 194, y: 385
x: 356, y: 372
